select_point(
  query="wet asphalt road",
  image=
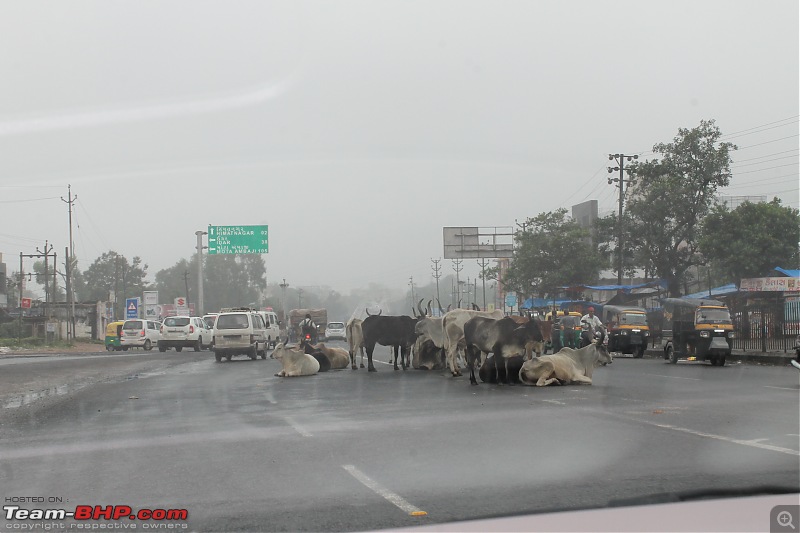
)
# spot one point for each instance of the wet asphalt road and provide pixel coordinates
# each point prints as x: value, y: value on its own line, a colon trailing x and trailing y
x: 243, y: 450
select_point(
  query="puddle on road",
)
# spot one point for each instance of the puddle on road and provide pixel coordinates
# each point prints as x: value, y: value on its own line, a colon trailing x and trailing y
x: 30, y: 397
x: 19, y: 400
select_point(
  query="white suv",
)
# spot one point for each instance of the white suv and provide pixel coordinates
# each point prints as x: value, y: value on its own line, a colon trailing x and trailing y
x: 139, y: 333
x: 239, y: 332
x: 188, y: 331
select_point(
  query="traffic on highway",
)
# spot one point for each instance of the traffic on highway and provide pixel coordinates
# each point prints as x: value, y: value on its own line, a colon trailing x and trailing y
x: 400, y: 266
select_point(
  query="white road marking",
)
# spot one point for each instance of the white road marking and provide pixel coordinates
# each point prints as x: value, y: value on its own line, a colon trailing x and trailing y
x: 781, y: 388
x: 382, y: 491
x: 751, y: 443
x: 673, y: 377
x: 555, y: 402
x: 297, y: 427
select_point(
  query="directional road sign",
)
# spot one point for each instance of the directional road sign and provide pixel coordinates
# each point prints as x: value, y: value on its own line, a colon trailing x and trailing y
x: 132, y: 308
x: 238, y: 239
x: 511, y: 300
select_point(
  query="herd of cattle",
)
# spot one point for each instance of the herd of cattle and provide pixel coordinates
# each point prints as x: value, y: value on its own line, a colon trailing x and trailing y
x: 504, y: 346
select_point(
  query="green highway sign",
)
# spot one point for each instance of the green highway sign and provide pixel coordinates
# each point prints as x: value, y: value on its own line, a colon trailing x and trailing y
x: 238, y: 239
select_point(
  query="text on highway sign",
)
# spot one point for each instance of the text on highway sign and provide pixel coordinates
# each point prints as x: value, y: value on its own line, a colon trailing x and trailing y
x: 238, y: 239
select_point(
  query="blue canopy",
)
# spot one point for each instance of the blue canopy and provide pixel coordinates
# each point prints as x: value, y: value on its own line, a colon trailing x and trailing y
x: 623, y: 288
x: 537, y: 303
x: 730, y: 288
x: 788, y: 272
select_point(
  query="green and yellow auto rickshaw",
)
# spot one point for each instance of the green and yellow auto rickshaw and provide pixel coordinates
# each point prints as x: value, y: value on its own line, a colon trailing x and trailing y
x: 628, y: 331
x: 700, y: 330
x: 113, y: 330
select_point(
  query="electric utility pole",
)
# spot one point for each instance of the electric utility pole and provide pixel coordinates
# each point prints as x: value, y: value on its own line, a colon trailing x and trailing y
x: 413, y: 297
x: 620, y: 160
x: 458, y: 268
x: 70, y: 262
x: 483, y: 264
x: 437, y: 273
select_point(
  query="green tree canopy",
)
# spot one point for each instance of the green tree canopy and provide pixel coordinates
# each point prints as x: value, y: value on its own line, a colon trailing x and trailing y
x: 552, y: 251
x: 670, y: 198
x: 114, y: 272
x: 752, y: 239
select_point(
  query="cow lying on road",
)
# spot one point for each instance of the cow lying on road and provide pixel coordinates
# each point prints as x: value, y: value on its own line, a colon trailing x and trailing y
x: 295, y: 362
x: 565, y: 367
x: 338, y: 357
x: 322, y: 359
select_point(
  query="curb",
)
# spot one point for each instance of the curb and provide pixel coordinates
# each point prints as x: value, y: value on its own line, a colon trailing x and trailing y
x: 769, y: 358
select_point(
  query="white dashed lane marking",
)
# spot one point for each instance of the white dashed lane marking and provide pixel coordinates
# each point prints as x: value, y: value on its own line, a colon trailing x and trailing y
x: 383, y: 492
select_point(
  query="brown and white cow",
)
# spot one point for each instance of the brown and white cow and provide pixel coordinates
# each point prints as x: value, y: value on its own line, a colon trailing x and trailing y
x: 338, y: 357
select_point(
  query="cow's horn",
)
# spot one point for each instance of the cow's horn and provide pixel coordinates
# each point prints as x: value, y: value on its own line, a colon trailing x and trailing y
x: 430, y: 313
x: 419, y: 307
x: 367, y: 311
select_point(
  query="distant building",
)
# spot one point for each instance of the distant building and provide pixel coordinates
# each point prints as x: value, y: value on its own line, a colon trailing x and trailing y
x: 732, y: 202
x: 585, y: 215
x: 3, y: 283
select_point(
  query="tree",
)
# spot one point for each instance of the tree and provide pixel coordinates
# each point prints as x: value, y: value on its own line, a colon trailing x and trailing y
x: 552, y: 251
x: 752, y: 239
x: 170, y: 282
x: 113, y: 272
x: 670, y: 198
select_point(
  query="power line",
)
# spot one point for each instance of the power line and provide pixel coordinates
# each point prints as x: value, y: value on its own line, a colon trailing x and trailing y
x: 765, y: 161
x: 28, y: 200
x: 770, y: 155
x: 767, y: 142
x: 792, y: 118
x: 582, y: 186
x: 750, y: 183
x: 768, y: 168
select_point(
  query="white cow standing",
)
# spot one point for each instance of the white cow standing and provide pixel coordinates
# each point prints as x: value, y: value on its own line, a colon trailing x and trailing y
x: 355, y: 339
x: 453, y: 325
x: 565, y: 367
x: 295, y: 362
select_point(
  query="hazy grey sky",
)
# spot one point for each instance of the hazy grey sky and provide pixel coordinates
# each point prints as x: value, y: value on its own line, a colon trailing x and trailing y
x: 357, y: 130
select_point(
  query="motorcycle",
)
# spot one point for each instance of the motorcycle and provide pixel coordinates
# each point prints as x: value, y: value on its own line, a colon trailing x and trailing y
x: 587, y: 337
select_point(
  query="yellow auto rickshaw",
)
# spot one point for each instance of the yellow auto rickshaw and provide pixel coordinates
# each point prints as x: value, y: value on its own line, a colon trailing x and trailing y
x: 113, y: 330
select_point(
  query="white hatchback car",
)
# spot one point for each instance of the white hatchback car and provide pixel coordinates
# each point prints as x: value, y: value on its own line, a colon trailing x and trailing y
x: 184, y: 331
x: 335, y: 330
x: 139, y: 333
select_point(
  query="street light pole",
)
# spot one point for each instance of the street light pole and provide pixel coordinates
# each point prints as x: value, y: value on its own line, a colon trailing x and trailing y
x: 200, y: 302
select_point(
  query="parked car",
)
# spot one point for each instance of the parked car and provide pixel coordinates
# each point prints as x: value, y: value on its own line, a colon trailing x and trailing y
x: 239, y: 332
x: 184, y: 331
x: 335, y: 330
x: 140, y: 333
